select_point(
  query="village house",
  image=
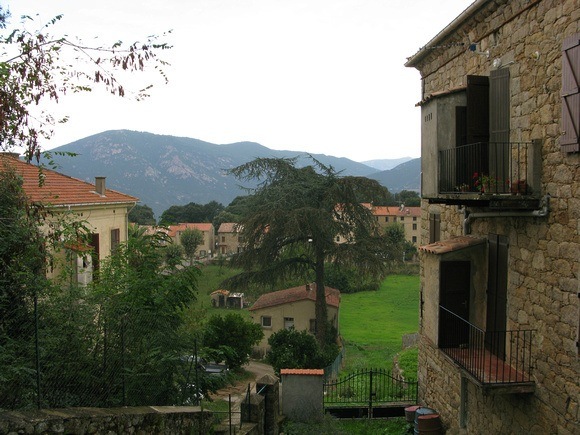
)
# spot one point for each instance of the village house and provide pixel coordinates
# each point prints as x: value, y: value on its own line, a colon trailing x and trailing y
x: 229, y: 239
x: 500, y: 254
x: 103, y: 211
x: 408, y: 217
x: 292, y: 308
x: 207, y: 247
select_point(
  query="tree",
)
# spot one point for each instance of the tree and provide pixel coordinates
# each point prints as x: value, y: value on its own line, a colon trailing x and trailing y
x: 191, y: 212
x: 190, y: 239
x: 293, y: 220
x: 408, y: 198
x: 142, y: 215
x: 291, y: 349
x: 232, y: 337
x: 35, y: 66
x: 173, y: 255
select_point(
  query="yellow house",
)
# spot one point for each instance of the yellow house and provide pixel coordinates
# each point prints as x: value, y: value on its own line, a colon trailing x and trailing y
x: 207, y: 247
x: 229, y: 239
x: 292, y: 308
x: 103, y: 211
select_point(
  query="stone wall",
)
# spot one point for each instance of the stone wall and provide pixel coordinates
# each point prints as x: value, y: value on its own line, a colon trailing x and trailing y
x: 170, y: 420
x: 544, y: 253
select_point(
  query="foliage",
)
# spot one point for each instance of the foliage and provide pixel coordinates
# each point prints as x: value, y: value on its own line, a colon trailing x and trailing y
x: 141, y: 307
x: 408, y: 198
x: 35, y: 67
x: 293, y: 219
x: 174, y: 254
x: 142, y: 215
x: 22, y: 262
x: 408, y: 362
x: 332, y: 426
x: 191, y: 212
x: 349, y: 279
x: 232, y: 337
x: 292, y: 349
x: 190, y: 239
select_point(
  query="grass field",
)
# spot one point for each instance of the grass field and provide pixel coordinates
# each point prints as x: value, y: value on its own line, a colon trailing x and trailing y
x: 373, y: 323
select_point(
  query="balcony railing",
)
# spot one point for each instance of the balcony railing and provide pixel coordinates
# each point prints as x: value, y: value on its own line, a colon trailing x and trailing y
x: 491, y: 358
x: 487, y: 168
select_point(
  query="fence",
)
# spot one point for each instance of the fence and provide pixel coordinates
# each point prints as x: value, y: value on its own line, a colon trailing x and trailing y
x: 65, y: 351
x: 332, y: 371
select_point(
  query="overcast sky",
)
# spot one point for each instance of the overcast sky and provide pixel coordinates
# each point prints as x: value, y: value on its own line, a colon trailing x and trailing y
x: 320, y: 76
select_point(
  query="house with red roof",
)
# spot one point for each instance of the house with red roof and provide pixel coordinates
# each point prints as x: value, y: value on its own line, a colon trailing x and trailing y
x: 207, y: 247
x: 292, y: 308
x: 103, y: 211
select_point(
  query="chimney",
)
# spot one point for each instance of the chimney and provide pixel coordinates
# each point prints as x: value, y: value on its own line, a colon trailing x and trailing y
x: 100, y: 185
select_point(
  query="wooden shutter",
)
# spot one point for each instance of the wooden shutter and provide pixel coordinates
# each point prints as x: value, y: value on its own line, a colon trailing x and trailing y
x: 570, y: 139
x: 499, y: 126
x: 434, y: 227
x: 499, y: 105
x: 477, y: 109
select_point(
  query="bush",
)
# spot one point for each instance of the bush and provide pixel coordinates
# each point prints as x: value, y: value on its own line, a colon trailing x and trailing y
x: 291, y: 349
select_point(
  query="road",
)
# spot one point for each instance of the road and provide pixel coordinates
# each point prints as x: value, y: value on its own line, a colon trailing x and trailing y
x: 239, y: 389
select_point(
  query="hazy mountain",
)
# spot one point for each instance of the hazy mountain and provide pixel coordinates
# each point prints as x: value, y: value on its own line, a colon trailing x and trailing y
x: 406, y: 176
x: 168, y: 170
x: 386, y: 164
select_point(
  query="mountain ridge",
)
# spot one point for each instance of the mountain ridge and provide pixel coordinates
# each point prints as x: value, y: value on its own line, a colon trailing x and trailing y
x: 163, y: 170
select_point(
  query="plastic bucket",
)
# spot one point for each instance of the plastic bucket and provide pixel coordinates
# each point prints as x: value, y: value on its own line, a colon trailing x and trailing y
x: 429, y: 424
x: 410, y: 413
x: 419, y: 413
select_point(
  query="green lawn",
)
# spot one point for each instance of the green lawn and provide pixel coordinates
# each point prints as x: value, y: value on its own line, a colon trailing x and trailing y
x: 373, y: 323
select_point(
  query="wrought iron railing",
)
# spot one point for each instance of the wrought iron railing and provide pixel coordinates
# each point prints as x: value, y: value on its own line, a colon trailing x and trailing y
x: 491, y: 357
x: 486, y: 168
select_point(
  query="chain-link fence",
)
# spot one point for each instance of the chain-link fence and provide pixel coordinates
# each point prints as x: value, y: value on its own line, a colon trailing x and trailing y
x: 64, y: 351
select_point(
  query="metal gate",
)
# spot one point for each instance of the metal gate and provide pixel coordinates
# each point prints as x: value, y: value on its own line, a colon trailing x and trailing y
x: 369, y: 393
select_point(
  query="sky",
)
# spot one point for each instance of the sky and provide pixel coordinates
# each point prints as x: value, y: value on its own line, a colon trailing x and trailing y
x: 317, y: 76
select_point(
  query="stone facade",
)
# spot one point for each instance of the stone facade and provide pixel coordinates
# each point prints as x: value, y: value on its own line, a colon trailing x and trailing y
x: 543, y: 253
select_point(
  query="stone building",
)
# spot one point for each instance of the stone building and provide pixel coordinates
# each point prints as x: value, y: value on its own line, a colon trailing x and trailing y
x: 500, y: 254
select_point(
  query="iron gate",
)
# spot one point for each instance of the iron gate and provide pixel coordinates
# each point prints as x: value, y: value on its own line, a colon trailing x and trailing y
x: 369, y: 393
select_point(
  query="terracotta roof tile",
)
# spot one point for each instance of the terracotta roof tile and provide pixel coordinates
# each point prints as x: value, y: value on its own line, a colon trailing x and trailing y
x: 296, y: 294
x: 203, y: 227
x: 228, y: 227
x: 60, y: 190
x: 452, y: 244
x: 306, y: 372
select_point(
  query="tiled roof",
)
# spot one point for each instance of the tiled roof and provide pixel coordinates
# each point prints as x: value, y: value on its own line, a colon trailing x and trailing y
x: 228, y: 227
x: 396, y: 211
x: 203, y: 227
x: 296, y: 294
x: 58, y: 189
x: 452, y: 244
x: 304, y: 372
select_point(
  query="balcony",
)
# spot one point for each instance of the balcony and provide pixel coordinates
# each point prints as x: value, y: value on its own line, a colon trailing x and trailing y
x: 499, y: 360
x: 500, y: 175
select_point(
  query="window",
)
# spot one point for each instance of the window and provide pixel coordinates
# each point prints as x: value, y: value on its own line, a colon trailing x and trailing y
x: 312, y: 328
x: 414, y: 218
x: 266, y: 321
x: 402, y: 218
x: 386, y: 219
x: 570, y: 139
x: 115, y: 239
x: 223, y: 239
x: 414, y: 227
x: 434, y: 227
x: 338, y: 238
x: 288, y: 322
x: 395, y: 219
x: 414, y: 239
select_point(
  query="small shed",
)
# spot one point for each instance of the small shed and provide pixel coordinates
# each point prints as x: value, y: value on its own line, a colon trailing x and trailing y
x: 226, y: 299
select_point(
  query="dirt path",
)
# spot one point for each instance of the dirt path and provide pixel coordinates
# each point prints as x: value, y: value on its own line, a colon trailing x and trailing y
x: 258, y: 369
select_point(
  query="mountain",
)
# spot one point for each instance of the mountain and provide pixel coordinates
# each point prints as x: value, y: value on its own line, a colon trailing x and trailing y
x: 386, y: 164
x: 406, y: 176
x: 166, y: 170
